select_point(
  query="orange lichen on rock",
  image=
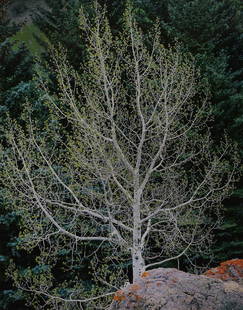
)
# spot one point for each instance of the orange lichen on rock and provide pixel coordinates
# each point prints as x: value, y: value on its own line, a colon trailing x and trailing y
x: 119, y: 296
x: 228, y: 270
x: 145, y: 274
x: 172, y: 289
x: 138, y: 297
x: 135, y: 287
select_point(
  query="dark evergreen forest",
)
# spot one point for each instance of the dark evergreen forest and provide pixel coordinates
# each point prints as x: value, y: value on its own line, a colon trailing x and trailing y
x: 211, y: 30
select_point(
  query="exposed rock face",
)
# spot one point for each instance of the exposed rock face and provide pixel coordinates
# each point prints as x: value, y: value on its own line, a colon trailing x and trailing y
x: 171, y: 289
x: 229, y: 270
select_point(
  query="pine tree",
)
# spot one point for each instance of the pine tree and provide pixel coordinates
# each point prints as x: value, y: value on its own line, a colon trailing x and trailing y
x: 212, y: 32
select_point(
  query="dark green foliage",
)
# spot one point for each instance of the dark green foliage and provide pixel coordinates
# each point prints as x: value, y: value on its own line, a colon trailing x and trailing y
x: 61, y: 25
x: 9, y: 296
x: 16, y: 66
x: 212, y: 32
x: 204, y: 26
x: 16, y: 70
x: 6, y: 29
x: 229, y: 243
x: 8, y: 227
x: 17, y: 87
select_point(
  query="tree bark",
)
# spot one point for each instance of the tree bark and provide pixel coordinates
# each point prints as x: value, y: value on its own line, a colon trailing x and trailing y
x: 138, y: 263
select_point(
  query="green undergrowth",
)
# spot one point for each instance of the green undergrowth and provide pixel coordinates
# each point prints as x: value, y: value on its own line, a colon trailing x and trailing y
x: 29, y: 35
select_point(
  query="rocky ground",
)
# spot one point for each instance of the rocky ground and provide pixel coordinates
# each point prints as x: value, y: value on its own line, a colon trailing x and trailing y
x: 171, y: 289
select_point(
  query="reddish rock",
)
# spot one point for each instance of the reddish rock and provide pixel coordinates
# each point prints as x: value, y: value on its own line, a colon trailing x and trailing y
x: 171, y: 289
x: 229, y: 270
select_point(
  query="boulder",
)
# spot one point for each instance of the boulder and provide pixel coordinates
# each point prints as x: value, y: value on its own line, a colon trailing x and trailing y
x: 229, y: 270
x: 171, y: 289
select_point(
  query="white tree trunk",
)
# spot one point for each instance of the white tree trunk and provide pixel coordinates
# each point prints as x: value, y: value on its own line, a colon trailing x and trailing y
x: 138, y: 263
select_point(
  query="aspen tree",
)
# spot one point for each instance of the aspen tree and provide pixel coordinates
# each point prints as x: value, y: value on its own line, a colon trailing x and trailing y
x: 140, y: 171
